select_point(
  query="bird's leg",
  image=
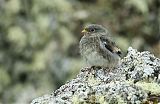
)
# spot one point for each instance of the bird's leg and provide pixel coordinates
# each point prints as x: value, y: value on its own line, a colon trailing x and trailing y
x: 90, y: 68
x: 99, y: 67
x: 93, y: 67
x: 107, y: 70
x: 94, y: 70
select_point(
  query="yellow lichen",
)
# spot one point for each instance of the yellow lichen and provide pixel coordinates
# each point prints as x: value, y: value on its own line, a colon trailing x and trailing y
x: 154, y: 88
x: 92, y: 81
x: 75, y: 99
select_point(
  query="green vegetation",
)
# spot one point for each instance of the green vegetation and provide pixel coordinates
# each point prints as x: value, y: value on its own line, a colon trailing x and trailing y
x: 39, y: 39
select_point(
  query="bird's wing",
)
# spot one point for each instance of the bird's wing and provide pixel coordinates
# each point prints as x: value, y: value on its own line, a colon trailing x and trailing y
x: 109, y: 45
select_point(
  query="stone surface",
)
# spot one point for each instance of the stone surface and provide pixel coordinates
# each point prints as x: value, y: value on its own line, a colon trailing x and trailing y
x: 136, y: 80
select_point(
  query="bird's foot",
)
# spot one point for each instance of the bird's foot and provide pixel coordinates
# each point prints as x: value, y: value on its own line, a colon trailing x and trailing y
x: 107, y: 69
x: 96, y: 67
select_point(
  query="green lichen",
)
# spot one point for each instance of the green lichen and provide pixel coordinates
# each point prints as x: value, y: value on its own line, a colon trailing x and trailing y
x: 153, y: 87
x: 93, y: 81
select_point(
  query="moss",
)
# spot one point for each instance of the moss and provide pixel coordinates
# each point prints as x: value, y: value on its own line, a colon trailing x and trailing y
x: 153, y: 87
x: 17, y: 37
x: 4, y: 79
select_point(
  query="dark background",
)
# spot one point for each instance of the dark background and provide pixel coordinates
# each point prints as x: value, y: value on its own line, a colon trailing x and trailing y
x: 39, y: 39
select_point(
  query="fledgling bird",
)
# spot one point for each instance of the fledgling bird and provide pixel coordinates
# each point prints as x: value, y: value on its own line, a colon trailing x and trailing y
x: 97, y: 48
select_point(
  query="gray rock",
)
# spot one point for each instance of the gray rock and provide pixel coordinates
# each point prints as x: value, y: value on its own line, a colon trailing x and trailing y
x: 136, y: 80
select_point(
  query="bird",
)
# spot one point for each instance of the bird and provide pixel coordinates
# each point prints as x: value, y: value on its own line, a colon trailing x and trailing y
x: 97, y: 47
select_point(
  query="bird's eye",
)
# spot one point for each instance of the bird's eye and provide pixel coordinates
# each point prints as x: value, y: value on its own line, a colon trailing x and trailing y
x: 92, y: 30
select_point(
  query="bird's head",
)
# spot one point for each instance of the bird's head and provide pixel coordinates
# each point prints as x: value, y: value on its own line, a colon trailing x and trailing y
x: 93, y: 29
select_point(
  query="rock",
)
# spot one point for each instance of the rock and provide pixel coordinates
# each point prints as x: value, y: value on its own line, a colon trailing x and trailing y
x: 136, y: 80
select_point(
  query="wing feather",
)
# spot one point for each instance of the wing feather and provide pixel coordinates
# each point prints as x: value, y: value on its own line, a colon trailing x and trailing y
x: 111, y: 46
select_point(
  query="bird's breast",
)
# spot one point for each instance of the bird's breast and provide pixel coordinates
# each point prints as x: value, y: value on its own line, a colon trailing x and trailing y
x: 89, y: 44
x: 90, y: 50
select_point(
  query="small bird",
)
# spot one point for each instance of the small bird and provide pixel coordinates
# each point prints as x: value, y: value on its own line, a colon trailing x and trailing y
x: 97, y: 48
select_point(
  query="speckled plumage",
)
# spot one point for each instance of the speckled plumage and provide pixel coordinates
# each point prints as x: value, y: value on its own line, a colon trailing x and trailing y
x: 97, y: 48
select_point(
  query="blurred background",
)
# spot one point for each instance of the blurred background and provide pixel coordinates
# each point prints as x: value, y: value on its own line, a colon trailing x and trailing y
x: 39, y: 39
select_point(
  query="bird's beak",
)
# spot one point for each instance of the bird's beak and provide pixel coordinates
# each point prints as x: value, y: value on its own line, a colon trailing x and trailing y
x: 84, y: 31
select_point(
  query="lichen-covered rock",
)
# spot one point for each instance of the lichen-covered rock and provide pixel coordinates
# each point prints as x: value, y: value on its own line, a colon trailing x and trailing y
x: 136, y: 80
x: 141, y: 66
